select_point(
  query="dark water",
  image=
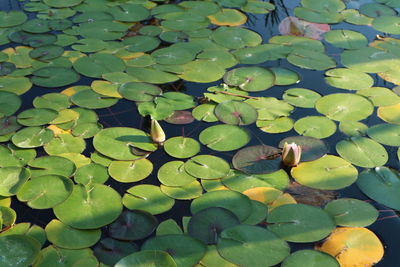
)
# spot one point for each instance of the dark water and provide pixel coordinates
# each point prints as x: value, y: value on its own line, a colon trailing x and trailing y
x: 124, y: 113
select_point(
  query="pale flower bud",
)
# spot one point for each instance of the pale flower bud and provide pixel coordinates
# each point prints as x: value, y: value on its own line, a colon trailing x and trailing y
x: 291, y: 154
x: 156, y: 132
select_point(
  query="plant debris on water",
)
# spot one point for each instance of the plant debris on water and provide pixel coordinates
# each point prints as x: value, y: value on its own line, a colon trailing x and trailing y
x: 199, y: 133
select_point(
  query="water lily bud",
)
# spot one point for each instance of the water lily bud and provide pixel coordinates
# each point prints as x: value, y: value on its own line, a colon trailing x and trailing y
x: 291, y: 154
x: 156, y: 132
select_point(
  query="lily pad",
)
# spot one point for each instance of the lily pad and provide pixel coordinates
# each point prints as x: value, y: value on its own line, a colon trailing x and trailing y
x: 363, y: 152
x: 92, y: 100
x: 257, y: 159
x: 18, y: 250
x: 207, y: 167
x: 251, y: 79
x: 31, y: 137
x: 152, y: 258
x: 89, y: 207
x: 235, y: 112
x: 380, y: 96
x: 133, y: 225
x: 110, y: 251
x: 12, y: 180
x: 207, y: 224
x: 346, y: 39
x: 54, y: 77
x: 64, y: 236
x: 381, y: 184
x: 147, y: 198
x: 184, y: 249
x: 300, y: 223
x: 181, y: 147
x: 352, y: 212
x: 348, y: 79
x: 248, y: 245
x: 224, y: 137
x: 326, y: 173
x: 386, y: 24
x: 353, y: 128
x: 98, y: 64
x: 233, y: 201
x: 36, y: 116
x: 202, y: 71
x: 308, y: 257
x: 185, y: 192
x: 17, y: 85
x: 342, y: 107
x: 91, y: 173
x: 130, y: 171
x: 301, y: 97
x: 136, y: 91
x: 315, y: 126
x: 309, y: 59
x: 228, y: 17
x: 173, y: 173
x: 12, y: 18
x: 45, y: 191
x: 9, y: 103
x: 390, y: 114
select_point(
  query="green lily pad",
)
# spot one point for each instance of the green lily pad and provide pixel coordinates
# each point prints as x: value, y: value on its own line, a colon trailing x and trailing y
x: 248, y: 245
x: 380, y: 96
x: 363, y: 152
x: 387, y: 24
x: 375, y: 10
x: 181, y: 147
x: 352, y: 212
x: 381, y: 184
x: 326, y: 173
x: 89, y: 207
x: 54, y: 77
x: 91, y: 173
x: 385, y: 133
x: 12, y: 180
x: 207, y: 167
x: 233, y: 201
x: 61, y: 3
x: 308, y: 257
x: 311, y: 148
x: 315, y: 126
x: 257, y: 159
x: 55, y: 101
x: 92, y: 100
x: 279, y: 125
x: 346, y: 39
x: 205, y: 112
x: 301, y: 97
x: 348, y: 79
x: 129, y: 12
x: 235, y: 112
x: 285, y: 76
x: 270, y: 108
x: 59, y: 257
x: 207, y: 224
x: 110, y: 251
x: 31, y: 137
x: 9, y: 103
x: 173, y: 173
x: 353, y: 16
x: 221, y: 57
x: 212, y: 257
x: 300, y: 223
x: 46, y: 53
x: 98, y: 64
x: 64, y: 236
x: 172, y: 55
x: 116, y: 142
x: 45, y: 191
x: 250, y: 79
x: 36, y: 116
x: 36, y: 26
x: 12, y: 18
x: 11, y: 156
x: 152, y: 258
x: 148, y: 198
x: 7, y: 68
x: 224, y: 137
x: 184, y: 249
x: 18, y: 250
x: 258, y: 213
x: 308, y: 59
x: 188, y: 191
x: 236, y: 37
x: 202, y: 71
x: 51, y: 165
x: 323, y: 15
x: 353, y: 128
x: 168, y: 227
x: 133, y: 225
x: 150, y: 75
x: 102, y: 30
x: 141, y: 43
x: 340, y: 107
x: 130, y: 171
x: 136, y: 91
x: 17, y: 85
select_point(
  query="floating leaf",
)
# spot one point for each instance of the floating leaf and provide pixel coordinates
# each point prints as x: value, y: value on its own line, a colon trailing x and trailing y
x: 188, y: 191
x: 18, y: 250
x: 54, y: 77
x: 12, y: 180
x: 130, y: 171
x: 110, y: 251
x: 294, y: 26
x: 362, y: 151
x: 326, y: 173
x: 152, y: 258
x: 9, y: 103
x: 173, y: 173
x: 348, y: 79
x: 380, y: 96
x: 228, y: 17
x: 300, y: 223
x: 181, y: 147
x: 385, y: 133
x: 390, y: 114
x: 251, y: 79
x: 353, y: 246
x: 207, y: 167
x: 235, y: 112
x: 309, y: 59
x: 308, y: 257
x: 257, y: 159
x: 346, y: 39
x: 315, y: 126
x: 311, y: 148
x: 224, y: 137
x: 352, y: 212
x: 353, y: 128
